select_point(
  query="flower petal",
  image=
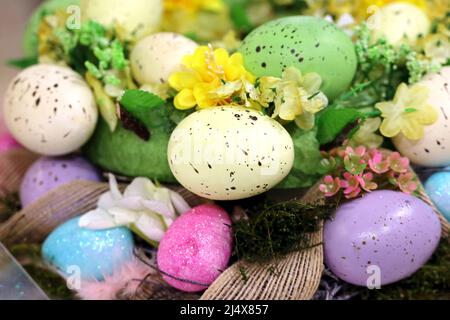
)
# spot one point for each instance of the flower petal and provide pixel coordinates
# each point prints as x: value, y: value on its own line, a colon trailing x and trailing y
x: 185, y: 100
x: 97, y: 219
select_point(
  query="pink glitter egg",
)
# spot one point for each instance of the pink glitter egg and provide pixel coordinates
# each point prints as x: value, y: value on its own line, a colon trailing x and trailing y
x: 196, y: 248
x: 7, y: 142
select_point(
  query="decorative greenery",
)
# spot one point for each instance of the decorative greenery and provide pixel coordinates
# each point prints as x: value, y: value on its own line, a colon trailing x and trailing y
x: 29, y: 256
x: 272, y: 230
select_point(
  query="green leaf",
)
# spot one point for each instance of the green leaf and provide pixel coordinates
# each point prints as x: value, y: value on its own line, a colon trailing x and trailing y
x: 307, y: 168
x: 333, y: 120
x: 136, y: 100
x: 23, y: 63
x: 239, y: 16
x: 146, y: 107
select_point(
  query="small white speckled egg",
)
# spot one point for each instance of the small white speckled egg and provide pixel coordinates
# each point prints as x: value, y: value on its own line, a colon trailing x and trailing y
x: 50, y: 109
x: 433, y: 150
x: 399, y: 22
x: 155, y: 57
x: 230, y: 153
x: 137, y: 18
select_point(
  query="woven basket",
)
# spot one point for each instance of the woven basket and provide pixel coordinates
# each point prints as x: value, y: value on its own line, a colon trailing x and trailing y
x: 294, y: 277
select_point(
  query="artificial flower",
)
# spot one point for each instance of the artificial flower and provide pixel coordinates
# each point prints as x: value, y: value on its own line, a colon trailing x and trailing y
x: 354, y: 160
x: 407, y: 182
x: 351, y: 185
x: 408, y: 113
x: 295, y: 96
x: 194, y: 5
x: 397, y: 163
x: 143, y: 207
x: 366, y: 182
x: 205, y: 82
x: 366, y: 134
x: 229, y: 42
x: 330, y: 186
x: 378, y: 163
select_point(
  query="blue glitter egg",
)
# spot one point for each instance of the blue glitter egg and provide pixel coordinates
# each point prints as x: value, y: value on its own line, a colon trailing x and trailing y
x: 438, y: 189
x: 94, y: 253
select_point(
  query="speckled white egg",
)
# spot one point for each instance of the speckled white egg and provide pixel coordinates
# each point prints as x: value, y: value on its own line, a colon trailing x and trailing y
x: 50, y: 109
x: 399, y: 22
x: 230, y: 153
x: 137, y: 18
x: 155, y: 57
x: 433, y: 150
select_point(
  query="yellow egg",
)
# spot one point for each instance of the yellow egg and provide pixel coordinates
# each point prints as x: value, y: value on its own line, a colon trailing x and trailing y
x: 138, y: 18
x: 399, y: 22
x: 155, y: 57
x: 230, y: 153
x: 433, y: 150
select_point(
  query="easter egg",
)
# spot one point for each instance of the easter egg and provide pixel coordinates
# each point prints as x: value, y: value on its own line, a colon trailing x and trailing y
x: 310, y: 44
x: 49, y: 173
x: 433, y: 150
x: 155, y: 57
x: 196, y: 248
x: 229, y: 153
x: 385, y: 233
x: 7, y: 142
x: 50, y: 110
x: 399, y: 23
x: 136, y: 18
x: 93, y: 253
x: 438, y: 189
x: 30, y: 38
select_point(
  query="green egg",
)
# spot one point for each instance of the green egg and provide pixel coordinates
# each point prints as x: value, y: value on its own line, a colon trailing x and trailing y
x: 310, y: 44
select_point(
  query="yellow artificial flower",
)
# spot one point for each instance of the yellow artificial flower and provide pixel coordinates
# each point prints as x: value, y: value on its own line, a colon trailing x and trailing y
x: 296, y: 97
x: 194, y: 5
x: 205, y: 82
x: 408, y: 113
x: 366, y: 134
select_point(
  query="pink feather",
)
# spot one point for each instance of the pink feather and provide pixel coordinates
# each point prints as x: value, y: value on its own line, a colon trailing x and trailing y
x: 124, y: 281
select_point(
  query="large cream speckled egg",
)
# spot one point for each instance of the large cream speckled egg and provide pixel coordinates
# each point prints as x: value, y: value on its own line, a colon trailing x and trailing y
x: 137, y: 18
x: 433, y: 150
x: 50, y: 109
x: 230, y: 153
x: 399, y: 22
x: 155, y: 57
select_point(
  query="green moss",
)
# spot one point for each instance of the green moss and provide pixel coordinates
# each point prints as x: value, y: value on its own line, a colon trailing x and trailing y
x: 29, y: 255
x: 273, y: 230
x: 431, y: 282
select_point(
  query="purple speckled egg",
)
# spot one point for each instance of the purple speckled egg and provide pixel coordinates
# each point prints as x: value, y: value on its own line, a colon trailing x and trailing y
x: 196, y: 248
x: 385, y: 233
x: 47, y: 173
x: 7, y: 142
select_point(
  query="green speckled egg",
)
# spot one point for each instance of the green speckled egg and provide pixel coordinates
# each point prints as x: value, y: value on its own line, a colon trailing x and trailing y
x: 308, y: 43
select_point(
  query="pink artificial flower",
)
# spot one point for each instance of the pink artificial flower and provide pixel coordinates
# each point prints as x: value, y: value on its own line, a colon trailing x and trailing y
x: 406, y: 182
x: 351, y: 185
x: 376, y: 162
x: 366, y: 182
x: 398, y: 163
x: 330, y: 186
x: 358, y: 151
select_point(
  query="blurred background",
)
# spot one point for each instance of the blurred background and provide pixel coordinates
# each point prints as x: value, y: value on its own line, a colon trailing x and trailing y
x: 13, y: 16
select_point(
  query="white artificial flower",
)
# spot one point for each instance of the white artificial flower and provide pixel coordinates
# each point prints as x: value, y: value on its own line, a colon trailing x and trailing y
x: 143, y: 207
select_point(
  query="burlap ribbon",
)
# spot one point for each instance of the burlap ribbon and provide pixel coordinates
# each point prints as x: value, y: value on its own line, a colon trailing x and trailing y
x: 296, y: 276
